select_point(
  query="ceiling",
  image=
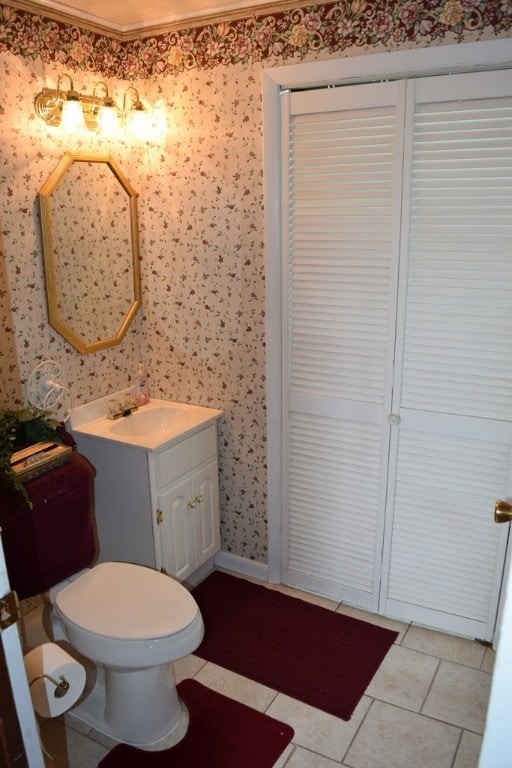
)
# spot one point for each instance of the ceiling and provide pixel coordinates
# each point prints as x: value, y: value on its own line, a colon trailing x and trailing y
x: 129, y: 18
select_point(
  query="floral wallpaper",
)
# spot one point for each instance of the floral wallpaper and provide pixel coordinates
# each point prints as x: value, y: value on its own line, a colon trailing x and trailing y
x: 331, y: 27
x: 201, y: 330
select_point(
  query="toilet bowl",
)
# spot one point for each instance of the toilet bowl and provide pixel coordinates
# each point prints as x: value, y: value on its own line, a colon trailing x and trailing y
x: 131, y: 621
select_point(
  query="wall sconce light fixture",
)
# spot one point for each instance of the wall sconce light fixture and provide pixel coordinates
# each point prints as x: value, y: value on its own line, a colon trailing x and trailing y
x: 99, y: 113
x: 72, y: 116
x: 106, y: 112
x: 136, y: 118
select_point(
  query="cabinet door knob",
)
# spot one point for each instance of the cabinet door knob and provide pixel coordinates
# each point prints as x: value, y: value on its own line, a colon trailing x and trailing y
x: 192, y: 503
x: 199, y: 498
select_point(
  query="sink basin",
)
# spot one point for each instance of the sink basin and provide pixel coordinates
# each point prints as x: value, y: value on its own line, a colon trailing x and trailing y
x: 153, y: 427
x: 156, y: 421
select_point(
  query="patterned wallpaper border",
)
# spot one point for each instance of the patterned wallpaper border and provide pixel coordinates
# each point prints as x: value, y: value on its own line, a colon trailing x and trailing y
x: 281, y: 37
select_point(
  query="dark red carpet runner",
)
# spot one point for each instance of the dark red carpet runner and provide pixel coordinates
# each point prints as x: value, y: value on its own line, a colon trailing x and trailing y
x: 310, y: 653
x: 222, y: 734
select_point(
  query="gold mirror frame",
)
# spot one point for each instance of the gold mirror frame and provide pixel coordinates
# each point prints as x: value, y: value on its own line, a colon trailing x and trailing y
x: 53, y: 299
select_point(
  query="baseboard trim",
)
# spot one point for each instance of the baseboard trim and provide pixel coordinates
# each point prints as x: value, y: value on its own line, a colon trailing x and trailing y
x: 241, y: 565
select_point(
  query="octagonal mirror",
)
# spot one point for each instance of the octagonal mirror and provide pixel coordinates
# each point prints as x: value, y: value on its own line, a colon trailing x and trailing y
x: 91, y: 251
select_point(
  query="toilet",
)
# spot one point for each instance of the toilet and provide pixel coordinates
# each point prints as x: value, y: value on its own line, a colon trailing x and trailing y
x: 125, y: 622
x: 131, y: 622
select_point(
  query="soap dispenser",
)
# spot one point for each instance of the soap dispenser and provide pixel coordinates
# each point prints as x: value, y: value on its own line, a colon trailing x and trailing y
x: 141, y: 386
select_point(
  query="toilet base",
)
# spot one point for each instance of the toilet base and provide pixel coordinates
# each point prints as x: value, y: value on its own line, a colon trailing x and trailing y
x: 141, y: 705
x: 165, y: 734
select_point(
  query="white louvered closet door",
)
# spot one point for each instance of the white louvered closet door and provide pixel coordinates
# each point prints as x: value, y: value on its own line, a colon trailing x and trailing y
x: 396, y: 447
x: 451, y: 455
x: 344, y: 166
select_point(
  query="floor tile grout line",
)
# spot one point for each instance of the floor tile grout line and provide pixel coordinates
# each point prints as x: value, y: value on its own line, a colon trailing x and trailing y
x: 429, y: 717
x: 370, y: 707
x: 443, y: 658
x: 401, y: 643
x: 290, y: 755
x: 458, y: 747
x: 488, y: 648
x: 438, y: 666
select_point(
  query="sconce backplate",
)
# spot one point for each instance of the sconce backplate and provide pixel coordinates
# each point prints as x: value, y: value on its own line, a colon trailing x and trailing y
x: 49, y: 109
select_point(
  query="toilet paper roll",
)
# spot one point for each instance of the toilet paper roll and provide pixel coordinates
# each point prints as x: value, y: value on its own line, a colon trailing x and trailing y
x: 53, y: 662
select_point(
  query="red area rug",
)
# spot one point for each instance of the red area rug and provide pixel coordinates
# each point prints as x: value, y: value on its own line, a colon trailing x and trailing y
x: 221, y: 734
x: 312, y: 654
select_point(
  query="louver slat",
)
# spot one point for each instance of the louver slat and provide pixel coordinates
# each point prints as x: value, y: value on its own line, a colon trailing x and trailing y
x: 340, y: 232
x: 443, y: 540
x: 458, y: 339
x: 329, y: 462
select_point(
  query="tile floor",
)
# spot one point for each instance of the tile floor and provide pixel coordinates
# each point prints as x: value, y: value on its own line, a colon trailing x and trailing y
x: 425, y: 708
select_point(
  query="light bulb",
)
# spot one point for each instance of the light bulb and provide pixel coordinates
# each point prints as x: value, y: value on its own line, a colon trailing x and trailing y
x: 159, y: 123
x: 139, y: 123
x: 108, y: 120
x: 72, y: 118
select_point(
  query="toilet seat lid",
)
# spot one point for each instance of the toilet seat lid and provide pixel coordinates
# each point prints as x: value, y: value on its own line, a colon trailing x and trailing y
x: 127, y: 601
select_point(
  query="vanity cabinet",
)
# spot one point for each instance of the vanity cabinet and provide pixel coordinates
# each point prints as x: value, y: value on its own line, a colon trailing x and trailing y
x: 157, y: 507
x: 187, y: 517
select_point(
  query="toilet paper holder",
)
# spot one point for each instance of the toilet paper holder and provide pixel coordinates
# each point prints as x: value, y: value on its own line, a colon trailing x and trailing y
x: 61, y: 688
x: 55, y: 678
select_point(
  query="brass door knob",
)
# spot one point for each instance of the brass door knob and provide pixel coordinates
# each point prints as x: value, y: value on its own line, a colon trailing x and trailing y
x: 502, y: 512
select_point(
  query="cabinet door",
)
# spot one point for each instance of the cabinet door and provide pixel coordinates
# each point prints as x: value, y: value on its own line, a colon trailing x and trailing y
x: 206, y: 513
x: 177, y: 529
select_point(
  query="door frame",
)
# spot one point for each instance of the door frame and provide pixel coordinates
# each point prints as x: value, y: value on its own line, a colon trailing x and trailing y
x: 465, y: 57
x: 24, y: 711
